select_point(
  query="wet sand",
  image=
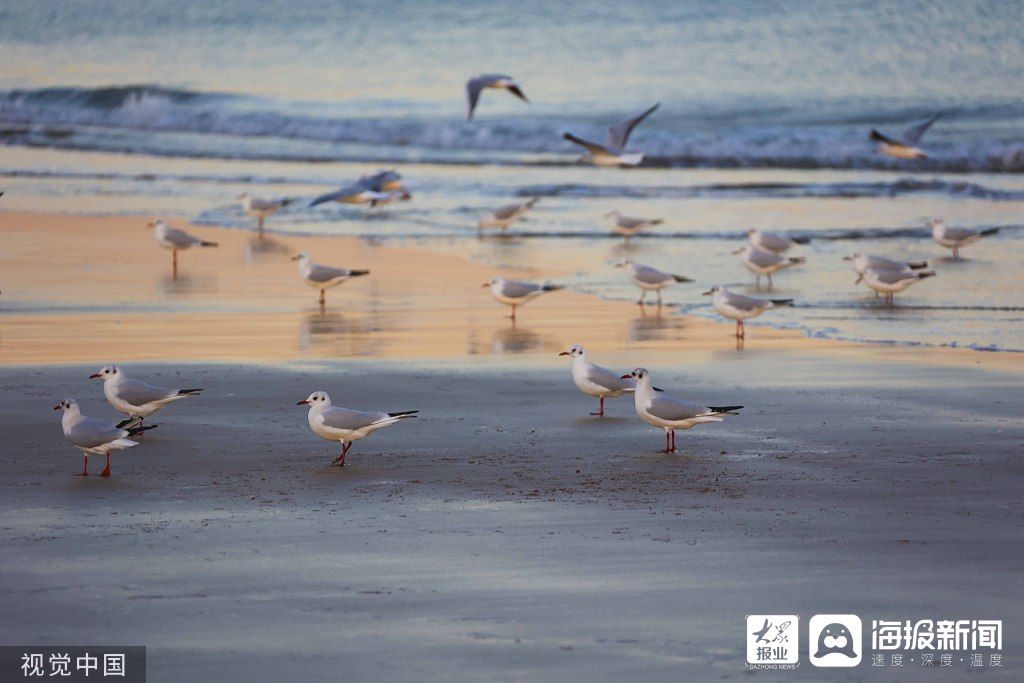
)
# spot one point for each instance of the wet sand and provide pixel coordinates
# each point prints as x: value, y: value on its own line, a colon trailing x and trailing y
x: 504, y: 534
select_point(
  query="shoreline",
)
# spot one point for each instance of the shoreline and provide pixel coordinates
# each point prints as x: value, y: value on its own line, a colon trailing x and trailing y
x: 244, y: 302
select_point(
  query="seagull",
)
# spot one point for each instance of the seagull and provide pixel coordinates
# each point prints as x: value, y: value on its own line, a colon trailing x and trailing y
x: 761, y: 262
x: 670, y: 413
x: 515, y: 292
x: 475, y: 86
x: 628, y: 226
x: 649, y: 279
x: 505, y: 216
x: 613, y: 151
x: 261, y: 208
x: 93, y: 436
x: 136, y: 399
x: 380, y: 188
x: 775, y: 242
x: 175, y: 239
x: 344, y: 425
x: 323, y: 277
x: 594, y: 380
x: 862, y: 262
x: 954, y: 238
x: 889, y: 282
x: 904, y: 147
x: 738, y: 307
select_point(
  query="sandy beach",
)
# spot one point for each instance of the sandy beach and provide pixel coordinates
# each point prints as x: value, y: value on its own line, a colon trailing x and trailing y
x: 504, y: 534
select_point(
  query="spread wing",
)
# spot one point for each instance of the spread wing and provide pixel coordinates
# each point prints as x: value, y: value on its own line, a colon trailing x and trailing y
x: 346, y: 191
x: 343, y: 418
x: 138, y: 393
x: 475, y: 85
x: 516, y: 289
x: 318, y: 273
x: 618, y: 135
x: 90, y: 432
x: 673, y: 409
x: 591, y: 147
x: 912, y: 135
x: 608, y: 379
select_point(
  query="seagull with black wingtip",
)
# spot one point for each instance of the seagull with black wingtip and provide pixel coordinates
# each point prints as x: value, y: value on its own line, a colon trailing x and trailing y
x: 343, y: 425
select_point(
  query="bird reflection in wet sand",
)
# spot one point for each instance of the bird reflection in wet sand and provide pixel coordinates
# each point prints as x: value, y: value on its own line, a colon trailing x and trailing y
x: 512, y: 340
x: 187, y: 284
x: 651, y: 325
x: 263, y: 247
x: 318, y: 327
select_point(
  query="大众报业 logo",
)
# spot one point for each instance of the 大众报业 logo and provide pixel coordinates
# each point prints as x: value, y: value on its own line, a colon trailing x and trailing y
x: 834, y: 640
x: 773, y: 640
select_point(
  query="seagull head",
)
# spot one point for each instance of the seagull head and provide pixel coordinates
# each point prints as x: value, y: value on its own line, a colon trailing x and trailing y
x: 67, y: 405
x: 156, y: 224
x: 714, y: 290
x: 576, y: 351
x: 638, y: 374
x: 317, y: 398
x: 494, y: 282
x: 301, y: 256
x: 107, y: 372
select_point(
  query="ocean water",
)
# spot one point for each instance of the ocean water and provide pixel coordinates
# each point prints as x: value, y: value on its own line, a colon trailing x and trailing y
x: 174, y: 108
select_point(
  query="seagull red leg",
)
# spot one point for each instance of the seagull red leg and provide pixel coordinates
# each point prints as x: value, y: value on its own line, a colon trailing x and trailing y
x: 600, y: 410
x: 106, y: 470
x: 85, y: 466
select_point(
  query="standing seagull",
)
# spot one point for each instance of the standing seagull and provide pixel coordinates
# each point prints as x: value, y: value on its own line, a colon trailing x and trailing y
x: 175, y: 239
x: 261, y: 208
x: 889, y: 282
x: 593, y: 380
x: 905, y: 146
x: 628, y: 226
x: 505, y: 216
x: 476, y: 85
x: 738, y: 307
x: 954, y: 238
x: 863, y: 262
x: 136, y: 399
x: 323, y: 277
x: 344, y: 425
x: 775, y: 242
x: 613, y: 151
x: 670, y: 413
x: 516, y: 293
x: 761, y: 262
x: 92, y: 436
x: 650, y: 279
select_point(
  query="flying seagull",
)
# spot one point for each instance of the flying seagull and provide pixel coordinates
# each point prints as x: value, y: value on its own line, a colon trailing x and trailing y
x: 613, y: 151
x: 905, y: 146
x: 476, y: 85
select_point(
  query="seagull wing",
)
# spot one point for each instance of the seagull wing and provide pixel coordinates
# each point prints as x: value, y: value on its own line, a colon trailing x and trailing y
x: 668, y: 408
x: 912, y: 135
x: 591, y: 147
x: 180, y: 238
x: 745, y: 303
x: 346, y: 191
x: 343, y: 418
x: 318, y: 273
x: 651, y: 276
x: 475, y: 85
x: 618, y: 135
x: 139, y: 393
x: 763, y: 259
x: 507, y: 211
x: 90, y: 432
x: 515, y: 289
x: 608, y: 379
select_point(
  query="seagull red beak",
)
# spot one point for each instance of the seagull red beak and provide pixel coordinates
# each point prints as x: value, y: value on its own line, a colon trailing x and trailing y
x: 565, y: 353
x: 625, y: 376
x: 302, y: 402
x: 486, y: 284
x: 57, y: 407
x: 707, y: 293
x: 94, y: 375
